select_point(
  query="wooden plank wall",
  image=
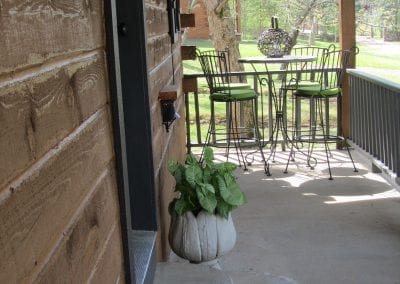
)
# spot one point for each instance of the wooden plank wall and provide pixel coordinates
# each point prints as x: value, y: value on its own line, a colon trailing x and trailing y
x: 59, y: 209
x: 165, y: 68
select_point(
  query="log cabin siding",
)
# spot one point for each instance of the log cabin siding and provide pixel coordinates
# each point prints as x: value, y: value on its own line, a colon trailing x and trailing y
x: 59, y: 209
x: 42, y: 108
x: 58, y: 192
x: 165, y: 68
x: 34, y: 32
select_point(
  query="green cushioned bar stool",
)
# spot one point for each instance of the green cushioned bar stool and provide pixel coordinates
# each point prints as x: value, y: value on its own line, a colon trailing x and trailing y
x: 304, y: 74
x: 230, y: 133
x: 319, y: 96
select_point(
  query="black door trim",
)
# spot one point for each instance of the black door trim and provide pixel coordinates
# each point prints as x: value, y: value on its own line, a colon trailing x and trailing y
x: 127, y: 67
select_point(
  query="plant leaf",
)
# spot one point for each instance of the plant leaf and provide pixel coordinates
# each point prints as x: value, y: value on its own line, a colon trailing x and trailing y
x: 191, y: 159
x: 207, y: 187
x: 181, y: 206
x: 226, y: 167
x: 230, y: 190
x: 207, y: 200
x: 193, y: 174
x: 183, y: 188
x: 229, y: 167
x: 224, y: 208
x: 207, y: 174
x: 208, y: 155
x: 176, y: 170
x: 172, y: 166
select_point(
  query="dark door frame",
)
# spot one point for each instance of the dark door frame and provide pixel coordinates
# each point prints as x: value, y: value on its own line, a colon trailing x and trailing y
x: 127, y: 68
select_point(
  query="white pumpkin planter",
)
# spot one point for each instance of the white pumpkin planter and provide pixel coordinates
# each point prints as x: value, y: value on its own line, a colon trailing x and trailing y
x: 203, y: 238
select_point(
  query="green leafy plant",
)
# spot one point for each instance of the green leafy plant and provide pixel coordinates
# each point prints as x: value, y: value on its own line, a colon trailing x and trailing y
x: 205, y: 186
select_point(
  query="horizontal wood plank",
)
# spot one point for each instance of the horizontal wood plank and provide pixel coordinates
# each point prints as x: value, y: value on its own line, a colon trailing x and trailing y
x: 35, y: 31
x: 37, y: 207
x: 156, y: 20
x: 95, y: 230
x: 158, y: 78
x: 39, y: 110
x: 109, y: 267
x: 158, y: 49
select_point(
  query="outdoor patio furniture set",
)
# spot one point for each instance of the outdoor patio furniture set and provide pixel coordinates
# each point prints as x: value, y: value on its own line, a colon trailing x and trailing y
x: 308, y: 74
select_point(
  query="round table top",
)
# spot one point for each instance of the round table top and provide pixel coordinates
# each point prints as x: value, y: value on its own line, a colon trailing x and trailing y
x: 284, y: 59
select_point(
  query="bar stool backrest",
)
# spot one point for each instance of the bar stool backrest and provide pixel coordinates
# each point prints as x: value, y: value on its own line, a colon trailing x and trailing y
x: 311, y: 70
x: 215, y: 65
x: 335, y: 65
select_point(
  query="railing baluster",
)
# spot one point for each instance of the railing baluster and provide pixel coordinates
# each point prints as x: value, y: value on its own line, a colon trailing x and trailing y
x: 397, y: 132
x: 392, y: 129
x: 377, y: 127
x: 187, y: 117
x: 197, y: 113
x: 371, y: 124
x: 385, y: 124
x: 375, y: 118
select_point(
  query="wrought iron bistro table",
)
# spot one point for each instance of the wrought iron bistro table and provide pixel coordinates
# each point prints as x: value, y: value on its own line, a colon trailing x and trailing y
x: 277, y: 80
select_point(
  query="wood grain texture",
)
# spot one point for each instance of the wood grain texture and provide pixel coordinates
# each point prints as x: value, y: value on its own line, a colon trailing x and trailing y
x: 156, y: 20
x: 158, y: 49
x: 347, y: 39
x: 109, y: 267
x: 189, y: 85
x: 163, y: 140
x: 167, y: 146
x: 39, y: 110
x: 165, y: 184
x: 188, y: 52
x: 37, y: 206
x: 160, y: 143
x: 33, y: 31
x: 90, y: 86
x: 169, y: 92
x: 157, y: 3
x: 158, y: 78
x: 177, y: 57
x: 188, y: 20
x: 93, y: 235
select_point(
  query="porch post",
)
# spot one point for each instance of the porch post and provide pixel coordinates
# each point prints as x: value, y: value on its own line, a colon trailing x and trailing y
x: 347, y: 37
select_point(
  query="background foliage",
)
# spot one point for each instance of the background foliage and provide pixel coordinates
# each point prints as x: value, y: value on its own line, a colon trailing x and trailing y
x: 372, y: 16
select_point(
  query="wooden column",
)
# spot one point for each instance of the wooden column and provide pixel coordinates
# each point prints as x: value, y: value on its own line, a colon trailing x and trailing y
x: 347, y: 36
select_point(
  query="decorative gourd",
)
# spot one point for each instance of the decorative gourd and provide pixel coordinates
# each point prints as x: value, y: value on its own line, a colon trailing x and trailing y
x: 274, y: 42
x: 201, y: 238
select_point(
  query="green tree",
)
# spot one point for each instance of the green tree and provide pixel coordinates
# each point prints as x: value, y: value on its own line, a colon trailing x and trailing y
x: 292, y: 15
x: 373, y: 16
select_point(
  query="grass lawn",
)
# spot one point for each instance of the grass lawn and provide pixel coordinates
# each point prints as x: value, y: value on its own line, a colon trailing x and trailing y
x: 378, y: 57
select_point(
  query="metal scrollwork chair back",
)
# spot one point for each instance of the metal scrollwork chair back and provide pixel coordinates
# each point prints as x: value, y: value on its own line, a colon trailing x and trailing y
x: 231, y: 134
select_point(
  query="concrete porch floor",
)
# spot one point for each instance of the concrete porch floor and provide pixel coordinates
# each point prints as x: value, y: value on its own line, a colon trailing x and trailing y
x: 302, y: 228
